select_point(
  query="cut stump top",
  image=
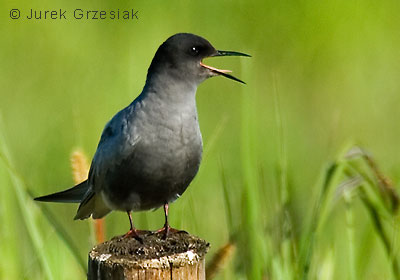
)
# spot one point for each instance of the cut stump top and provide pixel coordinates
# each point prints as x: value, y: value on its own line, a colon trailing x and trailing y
x: 179, y: 249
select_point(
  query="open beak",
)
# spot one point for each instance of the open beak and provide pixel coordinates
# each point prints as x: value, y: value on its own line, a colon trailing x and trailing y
x: 225, y: 72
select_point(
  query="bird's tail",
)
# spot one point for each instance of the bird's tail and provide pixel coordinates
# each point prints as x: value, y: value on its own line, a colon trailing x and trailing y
x: 72, y: 195
x: 91, y: 204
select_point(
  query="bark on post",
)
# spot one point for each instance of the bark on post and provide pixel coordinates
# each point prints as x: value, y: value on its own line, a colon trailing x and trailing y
x: 180, y: 256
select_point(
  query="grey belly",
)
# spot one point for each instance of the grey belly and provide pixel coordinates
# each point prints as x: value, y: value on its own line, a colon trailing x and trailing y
x: 150, y: 177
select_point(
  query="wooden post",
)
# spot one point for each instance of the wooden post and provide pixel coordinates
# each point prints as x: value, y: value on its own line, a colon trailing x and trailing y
x: 179, y: 257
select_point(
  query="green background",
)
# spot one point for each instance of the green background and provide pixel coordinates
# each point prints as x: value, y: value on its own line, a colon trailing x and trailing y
x: 323, y: 74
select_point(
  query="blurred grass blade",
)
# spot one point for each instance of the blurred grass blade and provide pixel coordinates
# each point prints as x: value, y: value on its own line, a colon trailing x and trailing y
x: 251, y: 192
x: 227, y: 200
x: 384, y: 185
x: 379, y: 228
x: 326, y: 270
x: 281, y: 139
x: 321, y: 211
x: 287, y: 243
x: 26, y: 207
x: 377, y: 194
x: 61, y: 233
x: 10, y: 265
x: 307, y: 250
x: 214, y: 137
x: 381, y: 200
x: 350, y: 232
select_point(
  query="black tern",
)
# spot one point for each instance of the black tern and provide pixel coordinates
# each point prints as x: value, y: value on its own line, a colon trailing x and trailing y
x: 150, y: 151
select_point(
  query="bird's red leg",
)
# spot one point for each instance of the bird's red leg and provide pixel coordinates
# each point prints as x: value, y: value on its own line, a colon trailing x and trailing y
x: 167, y: 229
x: 133, y: 232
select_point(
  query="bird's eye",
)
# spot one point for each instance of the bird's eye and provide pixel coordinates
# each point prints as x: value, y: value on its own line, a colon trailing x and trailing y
x: 194, y: 50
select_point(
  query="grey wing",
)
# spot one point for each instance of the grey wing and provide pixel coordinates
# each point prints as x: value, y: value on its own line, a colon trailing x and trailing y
x: 118, y: 139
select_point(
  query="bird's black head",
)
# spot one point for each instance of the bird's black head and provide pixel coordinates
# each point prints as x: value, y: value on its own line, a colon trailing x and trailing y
x: 181, y: 55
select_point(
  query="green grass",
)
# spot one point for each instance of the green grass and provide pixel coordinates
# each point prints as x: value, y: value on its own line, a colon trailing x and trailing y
x: 278, y: 177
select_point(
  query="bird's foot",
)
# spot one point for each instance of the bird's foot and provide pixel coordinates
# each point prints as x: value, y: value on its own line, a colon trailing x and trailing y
x: 135, y: 233
x: 166, y: 230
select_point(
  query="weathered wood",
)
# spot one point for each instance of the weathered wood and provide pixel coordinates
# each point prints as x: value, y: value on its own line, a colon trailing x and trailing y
x: 180, y: 256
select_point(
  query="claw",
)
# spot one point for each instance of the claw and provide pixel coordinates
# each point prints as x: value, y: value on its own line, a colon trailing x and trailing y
x: 133, y: 232
x: 166, y: 230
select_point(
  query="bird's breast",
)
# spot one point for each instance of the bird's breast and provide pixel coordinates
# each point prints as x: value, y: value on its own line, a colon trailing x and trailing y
x: 170, y: 146
x: 162, y: 162
x: 173, y: 142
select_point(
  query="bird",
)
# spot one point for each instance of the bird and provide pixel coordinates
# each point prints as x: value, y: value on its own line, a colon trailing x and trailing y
x: 151, y: 150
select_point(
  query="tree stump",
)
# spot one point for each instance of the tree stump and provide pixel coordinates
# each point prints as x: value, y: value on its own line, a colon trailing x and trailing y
x: 180, y: 256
